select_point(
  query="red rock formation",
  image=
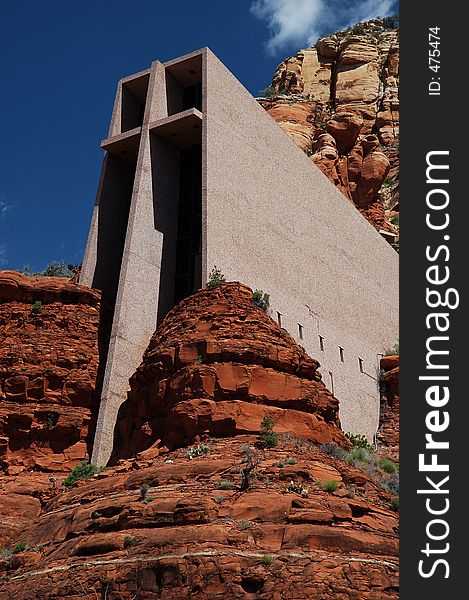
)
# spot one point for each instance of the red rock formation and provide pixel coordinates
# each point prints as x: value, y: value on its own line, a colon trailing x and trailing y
x: 194, y: 534
x: 217, y: 365
x: 388, y: 432
x: 163, y: 524
x: 48, y: 365
x: 349, y: 83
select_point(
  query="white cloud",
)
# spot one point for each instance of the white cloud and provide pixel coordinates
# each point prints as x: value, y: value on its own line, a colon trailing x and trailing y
x: 300, y: 22
x: 5, y: 206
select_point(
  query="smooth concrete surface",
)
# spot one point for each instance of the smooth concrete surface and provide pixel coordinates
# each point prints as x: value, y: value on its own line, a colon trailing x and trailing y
x: 275, y: 222
x: 270, y: 219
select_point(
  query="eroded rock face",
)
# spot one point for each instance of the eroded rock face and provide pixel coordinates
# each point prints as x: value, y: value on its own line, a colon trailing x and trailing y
x: 218, y: 365
x: 388, y: 432
x: 162, y: 524
x: 194, y: 534
x: 349, y: 83
x: 48, y: 366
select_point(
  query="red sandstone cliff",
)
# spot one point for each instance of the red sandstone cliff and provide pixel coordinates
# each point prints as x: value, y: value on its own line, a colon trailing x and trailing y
x: 160, y: 524
x: 388, y: 432
x: 338, y: 101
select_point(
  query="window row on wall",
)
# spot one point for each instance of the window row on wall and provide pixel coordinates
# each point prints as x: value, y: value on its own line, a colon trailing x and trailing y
x: 301, y: 336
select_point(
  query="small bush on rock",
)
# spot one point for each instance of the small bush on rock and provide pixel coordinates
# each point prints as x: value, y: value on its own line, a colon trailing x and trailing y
x: 224, y: 485
x: 267, y: 559
x: 387, y: 465
x: 37, y: 307
x: 267, y: 437
x: 330, y: 486
x: 198, y: 450
x: 359, y: 441
x: 20, y: 547
x: 129, y: 541
x: 335, y: 451
x: 261, y: 300
x: 216, y: 278
x: 82, y: 471
x: 143, y: 490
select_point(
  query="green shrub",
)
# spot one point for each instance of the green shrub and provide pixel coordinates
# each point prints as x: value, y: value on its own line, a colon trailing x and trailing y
x: 37, y: 307
x: 129, y: 541
x: 267, y: 437
x: 51, y: 419
x: 394, y: 220
x: 215, y: 279
x: 269, y: 92
x: 143, y: 490
x: 20, y: 547
x: 224, y: 485
x: 261, y: 300
x: 359, y: 441
x: 391, y: 22
x: 198, y: 450
x: 244, y: 525
x: 82, y: 471
x: 358, y: 30
x: 387, y: 465
x: 388, y: 182
x: 291, y: 460
x: 395, y: 503
x: 391, y: 484
x: 267, y: 559
x: 335, y: 451
x: 359, y: 455
x: 330, y: 486
x: 147, y: 499
x: 393, y: 350
x: 280, y: 464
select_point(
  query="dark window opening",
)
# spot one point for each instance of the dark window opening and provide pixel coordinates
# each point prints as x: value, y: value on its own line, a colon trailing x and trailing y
x: 192, y: 96
x: 189, y: 236
x: 341, y: 351
x: 360, y: 364
x: 134, y: 93
x: 321, y: 343
x: 279, y: 318
x: 300, y: 331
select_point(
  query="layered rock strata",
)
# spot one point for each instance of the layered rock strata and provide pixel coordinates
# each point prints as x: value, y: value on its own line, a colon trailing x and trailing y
x: 164, y: 526
x: 48, y: 366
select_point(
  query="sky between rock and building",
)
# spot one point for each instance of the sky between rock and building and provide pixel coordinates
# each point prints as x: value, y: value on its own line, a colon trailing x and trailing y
x: 60, y: 63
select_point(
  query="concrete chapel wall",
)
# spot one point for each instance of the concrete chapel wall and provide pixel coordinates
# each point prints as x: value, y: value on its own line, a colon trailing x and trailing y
x: 270, y: 219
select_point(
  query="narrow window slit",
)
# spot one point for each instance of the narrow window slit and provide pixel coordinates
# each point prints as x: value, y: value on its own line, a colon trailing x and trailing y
x: 321, y: 343
x: 300, y: 331
x: 341, y: 351
x: 279, y: 318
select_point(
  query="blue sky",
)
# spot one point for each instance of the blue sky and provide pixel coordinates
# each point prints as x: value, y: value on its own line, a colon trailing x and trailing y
x: 60, y: 62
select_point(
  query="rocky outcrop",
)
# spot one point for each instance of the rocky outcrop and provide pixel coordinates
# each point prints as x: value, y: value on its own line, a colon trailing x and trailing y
x: 217, y: 365
x: 223, y: 517
x: 48, y: 367
x: 349, y: 83
x: 388, y: 432
x: 170, y: 527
